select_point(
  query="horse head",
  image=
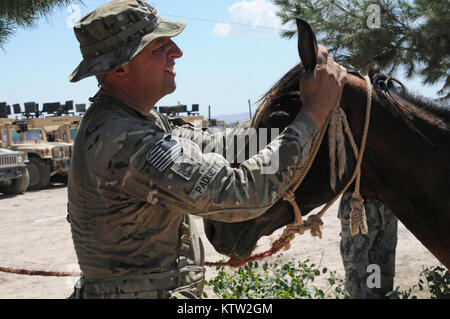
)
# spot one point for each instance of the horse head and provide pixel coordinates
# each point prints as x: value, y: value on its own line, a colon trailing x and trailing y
x: 278, y: 108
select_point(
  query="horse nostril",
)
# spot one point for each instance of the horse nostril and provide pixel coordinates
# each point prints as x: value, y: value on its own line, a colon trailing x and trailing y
x: 209, y: 231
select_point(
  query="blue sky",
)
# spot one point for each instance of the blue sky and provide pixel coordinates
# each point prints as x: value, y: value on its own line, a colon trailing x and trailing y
x: 223, y: 64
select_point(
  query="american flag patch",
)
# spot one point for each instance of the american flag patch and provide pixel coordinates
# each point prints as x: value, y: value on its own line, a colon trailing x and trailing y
x: 164, y: 153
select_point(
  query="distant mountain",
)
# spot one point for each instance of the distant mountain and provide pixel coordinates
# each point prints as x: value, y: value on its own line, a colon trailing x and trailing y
x: 233, y: 118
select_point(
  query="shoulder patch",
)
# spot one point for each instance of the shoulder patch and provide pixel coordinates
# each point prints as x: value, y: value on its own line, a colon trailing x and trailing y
x: 205, y: 180
x: 185, y: 167
x: 164, y: 153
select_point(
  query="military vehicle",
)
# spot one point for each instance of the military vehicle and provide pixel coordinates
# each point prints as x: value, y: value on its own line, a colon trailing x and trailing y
x: 64, y: 132
x: 199, y: 121
x: 58, y: 116
x: 48, y: 160
x: 192, y: 116
x: 14, y: 178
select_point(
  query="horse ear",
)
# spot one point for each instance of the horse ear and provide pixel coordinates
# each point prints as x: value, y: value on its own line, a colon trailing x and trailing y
x: 307, y: 45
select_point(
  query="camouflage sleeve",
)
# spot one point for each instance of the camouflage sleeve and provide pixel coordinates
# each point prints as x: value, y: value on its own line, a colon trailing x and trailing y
x: 205, y: 139
x: 209, y: 140
x: 174, y: 172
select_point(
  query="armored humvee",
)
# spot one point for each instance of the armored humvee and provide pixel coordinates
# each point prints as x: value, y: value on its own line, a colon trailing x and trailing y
x: 64, y: 132
x: 14, y: 178
x: 47, y: 160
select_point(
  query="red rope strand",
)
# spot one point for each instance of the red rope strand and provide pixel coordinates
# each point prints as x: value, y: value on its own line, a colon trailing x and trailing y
x: 234, y: 262
x: 39, y: 272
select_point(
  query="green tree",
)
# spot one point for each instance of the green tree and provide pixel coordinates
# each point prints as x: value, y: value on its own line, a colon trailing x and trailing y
x: 25, y: 13
x: 411, y: 34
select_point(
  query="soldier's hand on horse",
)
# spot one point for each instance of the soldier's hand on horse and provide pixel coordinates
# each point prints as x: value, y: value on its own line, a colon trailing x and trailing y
x: 322, y: 92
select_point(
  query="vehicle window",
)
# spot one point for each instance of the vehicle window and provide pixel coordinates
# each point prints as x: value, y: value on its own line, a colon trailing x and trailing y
x: 73, y: 133
x: 16, y: 136
x: 33, y: 135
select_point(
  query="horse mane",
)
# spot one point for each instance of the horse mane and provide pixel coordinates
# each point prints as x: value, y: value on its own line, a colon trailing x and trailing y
x: 289, y: 83
x: 424, y: 116
x: 420, y: 114
x: 437, y: 114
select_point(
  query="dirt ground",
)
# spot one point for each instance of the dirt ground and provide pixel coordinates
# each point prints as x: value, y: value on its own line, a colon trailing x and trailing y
x: 34, y: 234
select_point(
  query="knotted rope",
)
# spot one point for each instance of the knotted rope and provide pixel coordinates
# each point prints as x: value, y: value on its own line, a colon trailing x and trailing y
x: 357, y: 216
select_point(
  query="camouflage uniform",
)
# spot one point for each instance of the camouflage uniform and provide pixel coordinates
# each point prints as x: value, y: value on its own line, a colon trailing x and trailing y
x: 360, y: 251
x: 135, y: 180
x: 132, y: 182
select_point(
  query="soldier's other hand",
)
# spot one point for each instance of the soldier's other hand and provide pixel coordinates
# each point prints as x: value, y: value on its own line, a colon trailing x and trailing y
x: 321, y: 93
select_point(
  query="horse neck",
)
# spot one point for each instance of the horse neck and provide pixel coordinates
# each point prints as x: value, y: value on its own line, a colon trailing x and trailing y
x: 403, y: 170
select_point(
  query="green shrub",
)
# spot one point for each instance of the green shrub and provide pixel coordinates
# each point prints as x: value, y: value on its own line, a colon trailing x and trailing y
x: 434, y: 279
x: 275, y: 280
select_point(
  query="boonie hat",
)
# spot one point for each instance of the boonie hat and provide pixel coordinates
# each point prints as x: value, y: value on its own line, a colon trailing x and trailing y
x: 116, y: 32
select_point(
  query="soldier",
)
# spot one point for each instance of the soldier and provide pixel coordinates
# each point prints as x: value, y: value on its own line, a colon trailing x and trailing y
x: 369, y: 260
x: 133, y: 184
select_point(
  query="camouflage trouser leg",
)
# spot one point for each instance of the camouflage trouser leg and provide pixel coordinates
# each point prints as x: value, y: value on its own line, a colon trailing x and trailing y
x: 377, y: 248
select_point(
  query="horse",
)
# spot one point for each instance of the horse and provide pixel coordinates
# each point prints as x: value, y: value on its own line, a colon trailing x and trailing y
x: 406, y: 163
